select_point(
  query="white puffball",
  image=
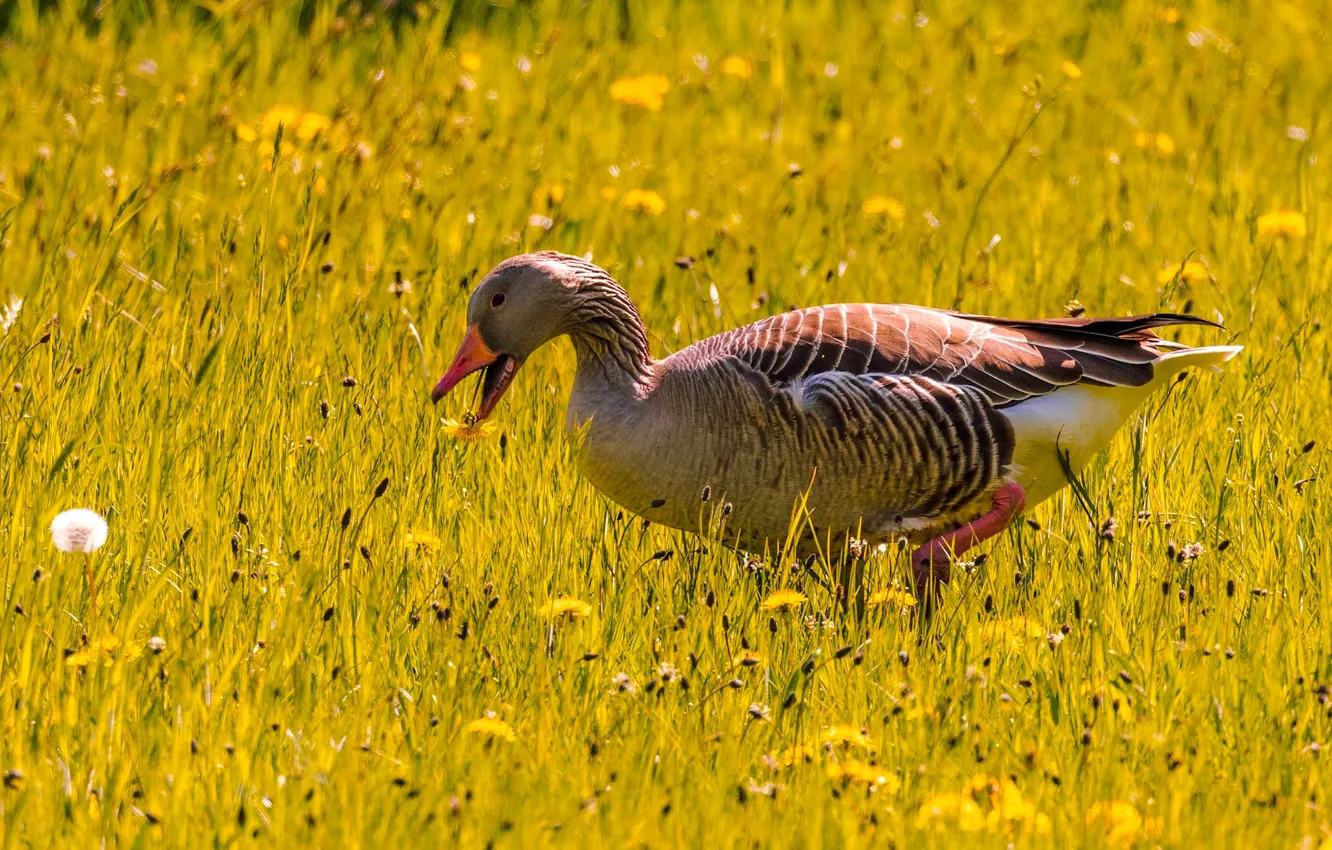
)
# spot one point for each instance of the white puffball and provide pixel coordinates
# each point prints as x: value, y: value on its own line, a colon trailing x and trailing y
x: 79, y: 530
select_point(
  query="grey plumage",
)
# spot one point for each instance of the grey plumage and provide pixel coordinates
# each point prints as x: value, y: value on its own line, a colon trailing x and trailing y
x: 886, y: 419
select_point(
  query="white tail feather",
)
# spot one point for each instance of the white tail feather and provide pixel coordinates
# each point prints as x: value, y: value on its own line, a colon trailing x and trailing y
x: 1211, y: 356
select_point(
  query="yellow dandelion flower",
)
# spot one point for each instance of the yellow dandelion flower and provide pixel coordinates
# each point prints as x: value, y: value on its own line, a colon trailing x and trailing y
x: 1193, y: 272
x: 1169, y: 14
x: 468, y: 431
x: 918, y: 712
x: 1285, y: 223
x: 1162, y: 143
x: 555, y: 192
x: 647, y: 91
x: 1123, y: 823
x: 858, y: 771
x: 470, y: 62
x: 843, y: 734
x: 786, y: 599
x: 492, y: 728
x: 984, y: 804
x: 312, y: 124
x: 881, y: 205
x: 82, y: 658
x: 320, y: 186
x: 565, y: 607
x: 1013, y: 632
x: 951, y: 811
x: 793, y: 755
x: 103, y: 649
x: 421, y: 538
x: 892, y: 597
x: 109, y: 643
x: 609, y: 193
x: 246, y: 133
x: 737, y: 66
x: 280, y: 114
x: 645, y: 200
x: 1070, y: 69
x: 1009, y: 806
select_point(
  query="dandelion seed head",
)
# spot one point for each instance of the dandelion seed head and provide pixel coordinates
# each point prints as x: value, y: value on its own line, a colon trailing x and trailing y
x: 624, y: 684
x: 78, y: 530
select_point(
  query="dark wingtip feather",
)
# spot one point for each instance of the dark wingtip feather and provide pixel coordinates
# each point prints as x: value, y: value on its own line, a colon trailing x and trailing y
x: 1116, y: 327
x: 1160, y: 320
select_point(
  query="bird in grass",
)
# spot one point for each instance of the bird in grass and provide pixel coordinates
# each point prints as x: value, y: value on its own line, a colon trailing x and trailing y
x: 885, y: 420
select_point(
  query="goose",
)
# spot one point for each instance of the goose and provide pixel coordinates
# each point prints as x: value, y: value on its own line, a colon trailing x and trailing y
x: 886, y: 421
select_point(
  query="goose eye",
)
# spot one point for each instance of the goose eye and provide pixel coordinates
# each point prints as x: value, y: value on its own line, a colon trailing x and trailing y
x: 497, y: 300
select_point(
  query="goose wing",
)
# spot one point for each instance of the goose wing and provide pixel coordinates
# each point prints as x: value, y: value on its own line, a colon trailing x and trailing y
x: 1006, y: 360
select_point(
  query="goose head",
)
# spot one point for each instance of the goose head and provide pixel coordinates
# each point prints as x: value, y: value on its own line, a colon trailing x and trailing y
x: 518, y: 307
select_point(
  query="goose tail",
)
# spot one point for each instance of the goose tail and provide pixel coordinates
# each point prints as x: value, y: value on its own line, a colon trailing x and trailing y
x: 1209, y: 357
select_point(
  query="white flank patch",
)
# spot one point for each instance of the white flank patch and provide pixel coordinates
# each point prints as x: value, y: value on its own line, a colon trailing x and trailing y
x: 1080, y: 420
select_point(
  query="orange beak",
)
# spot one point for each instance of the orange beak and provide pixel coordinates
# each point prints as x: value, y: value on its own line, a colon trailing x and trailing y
x: 474, y: 355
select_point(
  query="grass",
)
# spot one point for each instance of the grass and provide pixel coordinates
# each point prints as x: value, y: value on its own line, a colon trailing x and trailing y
x: 216, y: 351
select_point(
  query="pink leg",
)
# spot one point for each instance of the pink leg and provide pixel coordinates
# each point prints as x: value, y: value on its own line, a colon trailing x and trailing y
x: 930, y: 563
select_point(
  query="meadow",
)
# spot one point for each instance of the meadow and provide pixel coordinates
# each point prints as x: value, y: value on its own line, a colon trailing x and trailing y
x: 236, y: 242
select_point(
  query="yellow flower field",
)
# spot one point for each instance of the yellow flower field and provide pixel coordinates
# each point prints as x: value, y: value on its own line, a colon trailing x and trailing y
x: 236, y: 243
